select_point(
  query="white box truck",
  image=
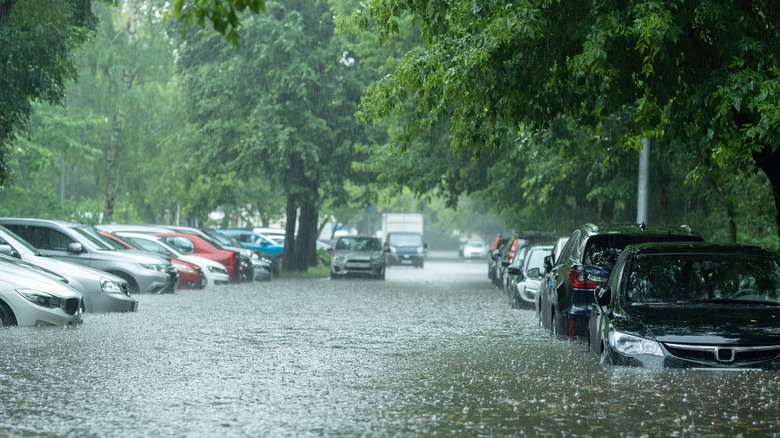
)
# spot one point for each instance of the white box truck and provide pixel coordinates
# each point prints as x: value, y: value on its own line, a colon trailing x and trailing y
x: 403, y: 239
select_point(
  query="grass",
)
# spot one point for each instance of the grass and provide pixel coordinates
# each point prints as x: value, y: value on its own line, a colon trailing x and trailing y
x: 319, y: 271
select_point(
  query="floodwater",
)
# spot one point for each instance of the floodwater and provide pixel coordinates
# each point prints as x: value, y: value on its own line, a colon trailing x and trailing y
x: 433, y: 351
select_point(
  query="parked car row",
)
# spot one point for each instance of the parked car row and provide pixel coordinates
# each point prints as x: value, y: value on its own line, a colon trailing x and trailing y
x: 55, y: 271
x: 659, y: 297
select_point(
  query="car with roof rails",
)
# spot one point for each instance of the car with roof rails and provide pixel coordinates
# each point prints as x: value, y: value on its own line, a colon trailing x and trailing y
x: 101, y: 291
x: 566, y: 296
x: 689, y: 305
x: 84, y: 245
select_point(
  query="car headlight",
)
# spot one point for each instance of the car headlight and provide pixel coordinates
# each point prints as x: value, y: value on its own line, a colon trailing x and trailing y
x: 218, y: 270
x: 185, y: 268
x: 420, y: 250
x: 154, y: 267
x: 377, y: 257
x: 110, y: 286
x: 41, y: 298
x: 339, y: 258
x: 392, y: 250
x: 631, y: 345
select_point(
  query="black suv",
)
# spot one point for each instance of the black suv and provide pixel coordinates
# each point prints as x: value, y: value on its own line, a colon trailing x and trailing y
x: 566, y: 293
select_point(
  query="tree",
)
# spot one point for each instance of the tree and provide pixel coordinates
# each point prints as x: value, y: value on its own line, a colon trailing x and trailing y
x: 294, y: 82
x: 38, y: 40
x: 684, y: 71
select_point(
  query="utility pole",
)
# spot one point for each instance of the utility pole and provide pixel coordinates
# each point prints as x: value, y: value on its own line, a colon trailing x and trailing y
x: 644, y: 178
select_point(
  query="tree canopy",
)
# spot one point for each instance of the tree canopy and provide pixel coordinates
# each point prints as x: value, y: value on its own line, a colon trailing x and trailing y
x: 681, y: 71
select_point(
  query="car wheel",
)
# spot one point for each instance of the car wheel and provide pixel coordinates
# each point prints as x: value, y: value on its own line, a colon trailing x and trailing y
x: 6, y: 316
x: 515, y: 303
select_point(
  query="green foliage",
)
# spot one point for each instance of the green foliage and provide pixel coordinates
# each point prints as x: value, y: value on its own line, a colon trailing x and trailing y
x: 223, y: 15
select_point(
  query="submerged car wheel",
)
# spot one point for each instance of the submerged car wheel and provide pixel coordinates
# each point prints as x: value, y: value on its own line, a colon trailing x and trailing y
x: 6, y: 316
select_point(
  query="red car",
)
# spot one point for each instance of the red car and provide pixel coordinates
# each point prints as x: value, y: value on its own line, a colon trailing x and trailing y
x: 191, y: 276
x: 196, y: 245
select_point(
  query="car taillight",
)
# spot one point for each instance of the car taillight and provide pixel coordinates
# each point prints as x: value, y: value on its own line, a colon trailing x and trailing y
x: 583, y: 280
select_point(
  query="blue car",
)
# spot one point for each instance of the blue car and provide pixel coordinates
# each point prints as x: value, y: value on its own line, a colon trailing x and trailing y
x: 257, y: 241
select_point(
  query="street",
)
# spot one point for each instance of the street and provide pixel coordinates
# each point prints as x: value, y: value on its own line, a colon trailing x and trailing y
x: 433, y: 351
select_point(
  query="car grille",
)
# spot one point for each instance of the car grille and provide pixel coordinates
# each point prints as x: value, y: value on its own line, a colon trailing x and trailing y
x: 72, y: 305
x: 724, y: 355
x: 363, y: 264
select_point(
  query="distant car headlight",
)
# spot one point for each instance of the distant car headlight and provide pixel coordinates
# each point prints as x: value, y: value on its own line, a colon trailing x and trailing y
x: 420, y: 250
x: 41, y: 298
x: 110, y: 286
x: 339, y: 258
x: 154, y: 267
x: 392, y: 250
x: 631, y: 345
x: 218, y: 270
x: 377, y: 257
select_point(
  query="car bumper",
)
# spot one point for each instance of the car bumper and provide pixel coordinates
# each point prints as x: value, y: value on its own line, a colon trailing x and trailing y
x: 357, y: 269
x: 28, y: 314
x: 158, y: 283
x: 404, y: 259
x: 114, y: 303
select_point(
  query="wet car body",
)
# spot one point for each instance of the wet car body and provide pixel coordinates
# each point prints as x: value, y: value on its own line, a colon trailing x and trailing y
x: 101, y: 291
x: 685, y: 321
x: 190, y: 244
x: 586, y: 261
x: 526, y: 277
x: 33, y: 298
x: 357, y: 256
x: 77, y: 243
x: 474, y: 249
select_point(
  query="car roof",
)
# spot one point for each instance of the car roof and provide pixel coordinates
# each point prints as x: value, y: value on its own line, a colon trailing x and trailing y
x: 698, y: 248
x: 596, y: 229
x: 21, y: 220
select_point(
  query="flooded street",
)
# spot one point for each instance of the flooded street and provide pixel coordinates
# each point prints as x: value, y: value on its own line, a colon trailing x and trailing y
x: 433, y: 351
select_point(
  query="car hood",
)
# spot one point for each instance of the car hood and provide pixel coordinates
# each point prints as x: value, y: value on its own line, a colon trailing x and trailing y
x: 71, y: 270
x: 721, y: 324
x: 17, y: 277
x: 135, y: 256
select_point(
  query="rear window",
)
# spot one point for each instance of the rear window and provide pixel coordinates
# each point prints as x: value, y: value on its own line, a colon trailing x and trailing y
x: 604, y: 250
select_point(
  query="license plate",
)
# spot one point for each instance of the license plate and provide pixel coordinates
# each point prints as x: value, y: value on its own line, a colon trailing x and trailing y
x: 406, y: 262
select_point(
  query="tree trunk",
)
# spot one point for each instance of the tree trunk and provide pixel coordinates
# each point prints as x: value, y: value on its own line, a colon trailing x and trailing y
x: 288, y: 255
x: 116, y: 137
x: 729, y: 208
x: 307, y: 237
x: 768, y: 160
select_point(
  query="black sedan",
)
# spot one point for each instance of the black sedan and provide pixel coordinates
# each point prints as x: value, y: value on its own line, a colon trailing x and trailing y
x: 689, y: 305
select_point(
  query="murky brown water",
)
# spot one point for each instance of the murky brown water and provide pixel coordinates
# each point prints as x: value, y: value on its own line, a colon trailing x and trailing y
x: 428, y: 352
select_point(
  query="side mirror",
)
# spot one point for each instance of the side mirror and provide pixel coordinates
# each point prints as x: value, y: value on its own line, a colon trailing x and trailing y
x: 514, y: 270
x: 535, y: 273
x: 603, y: 295
x: 548, y: 266
x: 425, y: 245
x: 9, y: 251
x: 505, y: 263
x: 75, y: 247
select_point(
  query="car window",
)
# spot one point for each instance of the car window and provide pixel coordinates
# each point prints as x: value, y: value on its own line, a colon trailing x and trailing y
x: 18, y: 239
x: 182, y: 244
x: 568, y: 248
x: 535, y: 258
x: 604, y: 249
x: 663, y: 278
x: 45, y: 238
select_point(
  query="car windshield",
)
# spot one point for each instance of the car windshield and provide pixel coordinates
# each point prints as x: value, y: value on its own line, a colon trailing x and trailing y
x: 404, y: 239
x: 94, y: 238
x: 702, y: 277
x: 604, y: 250
x: 358, y: 244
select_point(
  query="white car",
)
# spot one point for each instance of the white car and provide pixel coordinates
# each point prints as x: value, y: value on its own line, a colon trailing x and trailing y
x: 475, y: 249
x: 32, y: 298
x: 215, y: 272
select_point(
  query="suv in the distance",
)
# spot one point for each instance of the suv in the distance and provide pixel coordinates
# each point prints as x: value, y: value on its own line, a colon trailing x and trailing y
x: 82, y: 244
x: 566, y: 293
